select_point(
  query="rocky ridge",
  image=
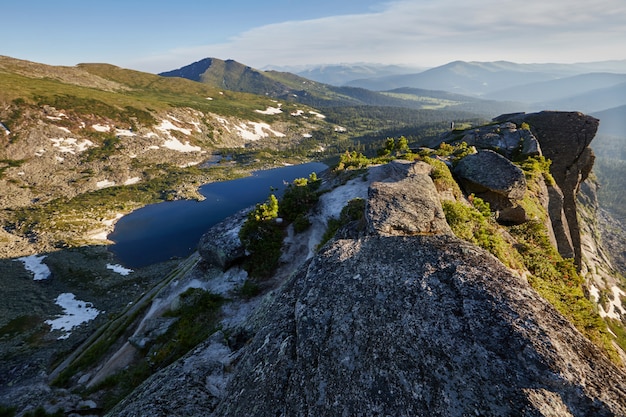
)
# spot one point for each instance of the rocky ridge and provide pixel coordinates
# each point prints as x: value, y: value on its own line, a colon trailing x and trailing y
x: 397, y: 318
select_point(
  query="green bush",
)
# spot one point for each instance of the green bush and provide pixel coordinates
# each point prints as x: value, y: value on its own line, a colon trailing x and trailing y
x: 262, y: 239
x: 537, y: 166
x: 442, y: 177
x: 7, y: 411
x: 298, y: 198
x: 41, y: 412
x: 475, y: 225
x: 352, y: 160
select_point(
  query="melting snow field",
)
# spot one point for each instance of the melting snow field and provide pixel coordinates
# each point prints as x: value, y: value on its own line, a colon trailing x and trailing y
x: 270, y: 110
x: 105, y: 184
x: 34, y: 264
x: 75, y: 313
x: 119, y: 269
x: 258, y: 131
x: 176, y: 145
x: 615, y: 307
x: 71, y: 145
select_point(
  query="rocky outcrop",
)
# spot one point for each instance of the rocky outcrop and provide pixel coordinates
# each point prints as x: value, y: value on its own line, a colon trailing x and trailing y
x: 220, y: 246
x: 505, y: 137
x: 409, y: 206
x: 415, y: 326
x: 402, y: 319
x: 564, y: 138
x: 502, y: 185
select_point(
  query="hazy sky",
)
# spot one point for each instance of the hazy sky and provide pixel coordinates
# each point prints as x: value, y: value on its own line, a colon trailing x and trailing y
x: 160, y: 35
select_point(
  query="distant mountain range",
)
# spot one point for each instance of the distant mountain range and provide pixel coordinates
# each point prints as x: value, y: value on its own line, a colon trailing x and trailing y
x: 485, y: 88
x: 287, y: 86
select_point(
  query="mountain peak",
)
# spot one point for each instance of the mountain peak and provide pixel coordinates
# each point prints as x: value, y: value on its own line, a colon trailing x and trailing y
x: 192, y: 71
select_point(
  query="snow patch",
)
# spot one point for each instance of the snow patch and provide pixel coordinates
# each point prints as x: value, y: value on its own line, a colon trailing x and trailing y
x: 111, y: 222
x: 133, y: 180
x: 75, y: 313
x: 173, y: 143
x: 177, y: 145
x: 108, y: 223
x: 65, y: 129
x: 105, y: 184
x: 271, y: 110
x: 595, y: 293
x: 119, y: 269
x: 316, y: 114
x: 40, y: 152
x: 224, y: 122
x: 197, y: 126
x: 101, y: 128
x: 124, y: 132
x: 615, y: 308
x: 307, y: 135
x: 297, y: 113
x: 71, y: 145
x: 166, y: 126
x: 34, y: 264
x: 256, y: 131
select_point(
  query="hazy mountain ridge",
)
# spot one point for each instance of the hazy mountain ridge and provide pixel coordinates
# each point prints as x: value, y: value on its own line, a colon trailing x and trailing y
x: 292, y: 87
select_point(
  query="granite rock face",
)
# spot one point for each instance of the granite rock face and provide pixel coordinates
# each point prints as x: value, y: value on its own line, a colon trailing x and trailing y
x: 409, y: 206
x: 420, y: 325
x: 564, y: 138
x: 401, y: 319
x: 220, y: 246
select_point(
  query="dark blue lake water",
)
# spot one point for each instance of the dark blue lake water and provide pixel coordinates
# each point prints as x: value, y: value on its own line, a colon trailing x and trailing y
x: 158, y: 232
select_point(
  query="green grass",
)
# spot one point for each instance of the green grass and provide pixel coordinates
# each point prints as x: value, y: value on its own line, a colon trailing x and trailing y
x: 197, y: 318
x: 9, y: 163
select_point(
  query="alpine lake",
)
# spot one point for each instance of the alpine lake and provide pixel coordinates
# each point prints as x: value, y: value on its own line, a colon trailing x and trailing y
x: 162, y: 231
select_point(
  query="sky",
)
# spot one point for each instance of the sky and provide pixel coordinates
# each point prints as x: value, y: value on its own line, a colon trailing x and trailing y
x: 157, y: 35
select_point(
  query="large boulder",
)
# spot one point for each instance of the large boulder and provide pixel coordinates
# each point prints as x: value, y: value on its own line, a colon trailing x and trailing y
x: 487, y: 171
x: 495, y: 179
x: 406, y: 207
x: 220, y: 246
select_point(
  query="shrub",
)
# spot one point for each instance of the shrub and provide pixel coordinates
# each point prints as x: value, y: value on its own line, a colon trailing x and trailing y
x: 262, y: 238
x: 442, y: 177
x: 537, y: 166
x: 298, y: 198
x: 475, y: 225
x: 352, y: 160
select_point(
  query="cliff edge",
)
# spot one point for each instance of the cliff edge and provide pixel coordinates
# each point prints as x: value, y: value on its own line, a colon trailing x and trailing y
x: 398, y: 316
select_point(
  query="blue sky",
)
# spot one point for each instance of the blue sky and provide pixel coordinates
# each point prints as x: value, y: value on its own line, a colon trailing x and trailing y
x: 158, y: 35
